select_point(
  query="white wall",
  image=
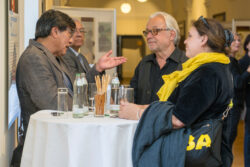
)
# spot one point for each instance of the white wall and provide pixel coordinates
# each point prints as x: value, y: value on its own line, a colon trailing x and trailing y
x: 31, y: 14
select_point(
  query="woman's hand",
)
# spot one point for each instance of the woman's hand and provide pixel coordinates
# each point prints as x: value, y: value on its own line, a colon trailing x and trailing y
x: 128, y: 110
x: 131, y: 111
x: 176, y: 123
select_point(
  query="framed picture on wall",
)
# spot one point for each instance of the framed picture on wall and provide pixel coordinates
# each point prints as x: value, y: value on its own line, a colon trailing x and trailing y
x: 221, y: 17
x: 100, y: 27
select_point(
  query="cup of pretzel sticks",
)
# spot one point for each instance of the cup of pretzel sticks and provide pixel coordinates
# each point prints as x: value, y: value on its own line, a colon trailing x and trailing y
x: 100, y: 97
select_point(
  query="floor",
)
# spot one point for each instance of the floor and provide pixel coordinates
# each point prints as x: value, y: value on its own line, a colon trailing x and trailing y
x: 238, y: 147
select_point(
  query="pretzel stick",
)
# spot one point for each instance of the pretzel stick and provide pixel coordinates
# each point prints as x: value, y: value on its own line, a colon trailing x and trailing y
x: 103, y: 84
x: 107, y: 79
x: 98, y: 84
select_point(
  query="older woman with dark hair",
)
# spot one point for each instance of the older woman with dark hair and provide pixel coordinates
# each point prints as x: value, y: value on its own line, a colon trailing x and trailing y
x: 202, y: 90
x: 244, y: 62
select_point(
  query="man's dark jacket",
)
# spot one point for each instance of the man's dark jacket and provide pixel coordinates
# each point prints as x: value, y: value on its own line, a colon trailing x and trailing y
x: 74, y: 66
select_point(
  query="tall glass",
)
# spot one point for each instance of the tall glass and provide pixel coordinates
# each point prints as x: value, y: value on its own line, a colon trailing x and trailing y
x: 127, y: 95
x: 91, y: 96
x: 62, y: 99
x: 114, y: 106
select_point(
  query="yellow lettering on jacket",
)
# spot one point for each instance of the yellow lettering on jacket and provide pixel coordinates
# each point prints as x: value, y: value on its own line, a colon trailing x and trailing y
x: 203, y: 141
x: 191, y: 143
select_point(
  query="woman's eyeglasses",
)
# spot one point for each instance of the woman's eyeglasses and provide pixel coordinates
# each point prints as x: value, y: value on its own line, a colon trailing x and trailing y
x: 154, y: 31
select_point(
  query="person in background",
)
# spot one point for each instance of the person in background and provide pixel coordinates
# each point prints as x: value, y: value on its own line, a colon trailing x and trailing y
x: 41, y: 71
x: 77, y: 63
x: 244, y: 63
x: 239, y: 79
x: 162, y: 34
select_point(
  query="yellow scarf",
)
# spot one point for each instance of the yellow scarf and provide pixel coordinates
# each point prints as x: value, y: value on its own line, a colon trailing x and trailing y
x: 172, y: 80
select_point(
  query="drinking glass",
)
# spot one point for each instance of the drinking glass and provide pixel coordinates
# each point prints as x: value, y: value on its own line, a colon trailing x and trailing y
x: 124, y: 86
x: 62, y: 100
x: 91, y: 93
x: 121, y: 90
x: 127, y: 94
x: 114, y: 106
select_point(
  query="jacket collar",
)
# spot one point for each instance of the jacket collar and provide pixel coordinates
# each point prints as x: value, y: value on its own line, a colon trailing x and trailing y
x: 51, y: 57
x: 73, y: 51
x: 175, y: 56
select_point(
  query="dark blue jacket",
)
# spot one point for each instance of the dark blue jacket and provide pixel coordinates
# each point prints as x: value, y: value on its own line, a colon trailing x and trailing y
x: 156, y: 144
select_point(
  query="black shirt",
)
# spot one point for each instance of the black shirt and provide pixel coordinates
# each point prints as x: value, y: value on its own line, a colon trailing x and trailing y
x: 156, y: 80
x: 147, y: 79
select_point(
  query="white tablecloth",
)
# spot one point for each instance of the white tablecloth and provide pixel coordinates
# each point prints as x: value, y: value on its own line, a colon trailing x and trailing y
x: 78, y: 142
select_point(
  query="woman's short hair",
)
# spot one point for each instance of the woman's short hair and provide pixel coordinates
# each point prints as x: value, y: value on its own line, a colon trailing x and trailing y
x: 171, y: 23
x: 219, y: 39
x: 247, y: 40
x: 53, y: 18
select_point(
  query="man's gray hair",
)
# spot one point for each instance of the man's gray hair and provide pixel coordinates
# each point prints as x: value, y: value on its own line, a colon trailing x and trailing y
x: 171, y: 23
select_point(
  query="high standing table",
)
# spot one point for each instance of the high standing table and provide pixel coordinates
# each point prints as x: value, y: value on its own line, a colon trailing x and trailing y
x: 64, y: 141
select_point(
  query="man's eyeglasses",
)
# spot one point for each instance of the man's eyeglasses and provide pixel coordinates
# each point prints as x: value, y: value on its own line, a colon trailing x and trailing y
x: 204, y: 21
x: 154, y: 31
x: 81, y: 30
